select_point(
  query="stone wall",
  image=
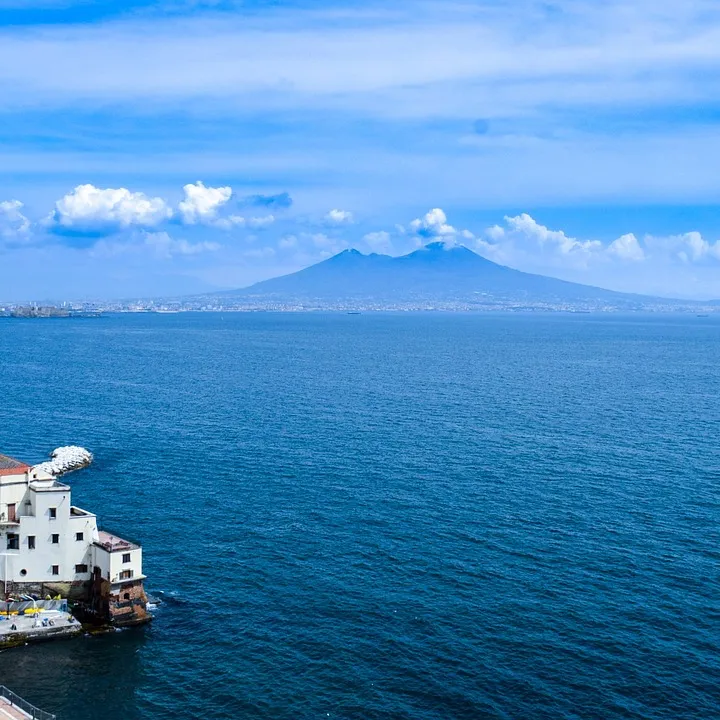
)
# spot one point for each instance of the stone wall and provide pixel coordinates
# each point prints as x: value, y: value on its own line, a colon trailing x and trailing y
x: 129, y: 606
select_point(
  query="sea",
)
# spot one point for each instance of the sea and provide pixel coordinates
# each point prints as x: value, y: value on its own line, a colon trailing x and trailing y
x: 386, y: 516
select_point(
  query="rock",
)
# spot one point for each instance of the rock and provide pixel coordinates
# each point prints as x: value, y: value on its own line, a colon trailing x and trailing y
x: 66, y: 459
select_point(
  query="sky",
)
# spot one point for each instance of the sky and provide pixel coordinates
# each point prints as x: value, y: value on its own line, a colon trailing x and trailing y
x: 168, y: 148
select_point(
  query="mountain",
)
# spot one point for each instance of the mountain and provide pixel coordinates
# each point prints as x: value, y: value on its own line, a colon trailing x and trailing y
x: 434, y: 275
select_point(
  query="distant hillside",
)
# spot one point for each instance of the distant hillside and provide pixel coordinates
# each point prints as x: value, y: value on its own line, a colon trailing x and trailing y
x: 434, y: 274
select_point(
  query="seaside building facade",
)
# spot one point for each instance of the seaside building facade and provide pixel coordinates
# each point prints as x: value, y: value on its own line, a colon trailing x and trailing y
x: 48, y: 546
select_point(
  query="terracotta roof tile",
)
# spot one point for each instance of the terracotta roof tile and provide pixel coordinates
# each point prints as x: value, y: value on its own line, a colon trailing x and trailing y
x: 10, y: 466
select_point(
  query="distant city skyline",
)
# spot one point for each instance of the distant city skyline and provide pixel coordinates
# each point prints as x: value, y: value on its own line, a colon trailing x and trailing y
x: 153, y: 149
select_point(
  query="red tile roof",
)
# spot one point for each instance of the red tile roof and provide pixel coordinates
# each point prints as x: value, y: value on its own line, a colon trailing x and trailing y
x: 10, y: 466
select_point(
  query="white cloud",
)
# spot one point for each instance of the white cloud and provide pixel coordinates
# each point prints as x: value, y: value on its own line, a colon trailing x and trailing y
x: 689, y: 247
x: 205, y: 205
x: 288, y: 241
x: 627, y: 247
x: 14, y: 226
x: 525, y: 226
x: 526, y: 244
x: 338, y: 217
x: 106, y: 210
x: 201, y: 204
x: 608, y: 52
x: 433, y: 225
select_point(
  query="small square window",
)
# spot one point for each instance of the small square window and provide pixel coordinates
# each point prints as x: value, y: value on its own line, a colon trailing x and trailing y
x: 55, y: 539
x: 126, y: 557
x: 53, y: 513
x: 55, y: 569
x: 81, y: 568
x: 13, y: 541
x: 126, y: 574
x: 79, y: 537
x: 31, y: 542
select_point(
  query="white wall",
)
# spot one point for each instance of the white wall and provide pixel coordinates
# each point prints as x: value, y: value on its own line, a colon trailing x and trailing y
x: 35, y: 519
x: 36, y: 565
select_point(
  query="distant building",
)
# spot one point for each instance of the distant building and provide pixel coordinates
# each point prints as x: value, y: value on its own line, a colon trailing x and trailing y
x: 49, y: 546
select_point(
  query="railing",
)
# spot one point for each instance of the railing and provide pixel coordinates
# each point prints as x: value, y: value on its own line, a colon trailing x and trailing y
x: 30, y: 710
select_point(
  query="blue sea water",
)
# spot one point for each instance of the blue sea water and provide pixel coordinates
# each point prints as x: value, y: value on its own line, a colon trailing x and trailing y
x: 387, y: 516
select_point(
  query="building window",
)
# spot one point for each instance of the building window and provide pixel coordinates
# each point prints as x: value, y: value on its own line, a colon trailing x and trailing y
x: 55, y: 539
x: 53, y: 513
x: 126, y: 596
x: 31, y: 542
x: 126, y: 557
x: 126, y: 574
x: 23, y: 572
x: 79, y: 537
x: 81, y: 568
x: 55, y: 569
x: 13, y: 541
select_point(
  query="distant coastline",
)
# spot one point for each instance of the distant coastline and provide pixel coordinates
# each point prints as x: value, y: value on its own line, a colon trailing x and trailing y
x: 25, y: 312
x: 100, y: 310
x: 434, y: 278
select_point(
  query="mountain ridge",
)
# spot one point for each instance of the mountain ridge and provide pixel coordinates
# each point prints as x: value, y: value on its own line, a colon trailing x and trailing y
x: 436, y: 272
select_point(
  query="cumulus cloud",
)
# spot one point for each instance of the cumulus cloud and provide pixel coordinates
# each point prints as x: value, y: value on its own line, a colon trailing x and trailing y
x: 524, y: 242
x: 201, y: 203
x: 338, y: 217
x: 102, y: 211
x: 525, y: 225
x: 627, y: 247
x: 689, y: 247
x: 212, y: 207
x: 433, y: 225
x: 288, y: 241
x: 14, y: 226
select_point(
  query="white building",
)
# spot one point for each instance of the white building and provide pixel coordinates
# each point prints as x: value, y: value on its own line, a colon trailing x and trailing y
x: 49, y: 545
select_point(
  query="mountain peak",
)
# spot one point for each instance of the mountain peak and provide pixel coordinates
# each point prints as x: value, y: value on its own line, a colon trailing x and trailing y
x: 440, y: 272
x: 441, y: 245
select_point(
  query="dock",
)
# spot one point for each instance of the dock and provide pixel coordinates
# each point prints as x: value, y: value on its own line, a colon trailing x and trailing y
x: 14, y: 707
x: 35, y: 620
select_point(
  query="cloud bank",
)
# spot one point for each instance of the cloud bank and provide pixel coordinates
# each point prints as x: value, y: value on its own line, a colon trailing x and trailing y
x: 204, y: 223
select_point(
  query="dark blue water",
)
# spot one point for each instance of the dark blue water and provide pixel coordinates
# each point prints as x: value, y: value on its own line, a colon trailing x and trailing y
x: 380, y: 516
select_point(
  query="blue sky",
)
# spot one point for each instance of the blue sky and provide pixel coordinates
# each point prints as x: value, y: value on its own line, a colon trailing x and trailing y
x: 162, y: 148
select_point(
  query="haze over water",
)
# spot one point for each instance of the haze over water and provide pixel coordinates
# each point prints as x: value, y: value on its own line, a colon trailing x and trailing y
x: 387, y: 516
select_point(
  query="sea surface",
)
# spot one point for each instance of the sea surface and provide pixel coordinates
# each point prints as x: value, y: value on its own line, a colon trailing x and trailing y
x: 387, y: 516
